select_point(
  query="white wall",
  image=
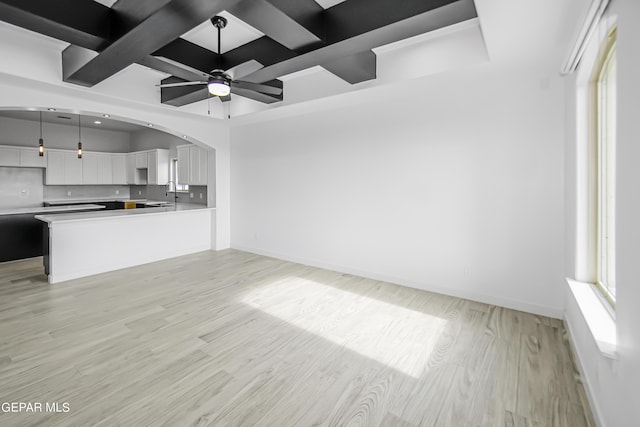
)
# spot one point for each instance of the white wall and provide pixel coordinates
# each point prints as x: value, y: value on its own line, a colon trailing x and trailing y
x: 453, y: 183
x: 26, y: 133
x: 613, y: 384
x: 149, y: 139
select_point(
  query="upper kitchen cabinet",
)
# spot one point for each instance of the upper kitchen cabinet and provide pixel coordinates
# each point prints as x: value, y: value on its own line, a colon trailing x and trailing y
x: 148, y: 167
x: 142, y: 160
x: 105, y: 172
x: 119, y: 169
x: 192, y: 165
x: 183, y: 164
x: 197, y: 166
x: 96, y: 169
x: 31, y: 158
x: 22, y: 157
x: 90, y: 168
x: 158, y: 167
x: 131, y: 168
x: 9, y: 156
x: 63, y: 168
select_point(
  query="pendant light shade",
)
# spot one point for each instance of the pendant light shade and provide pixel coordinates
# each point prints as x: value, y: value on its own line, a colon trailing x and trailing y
x: 40, y: 141
x: 79, y: 138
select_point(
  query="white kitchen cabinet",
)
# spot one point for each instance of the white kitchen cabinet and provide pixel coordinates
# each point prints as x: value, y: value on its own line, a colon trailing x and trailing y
x: 72, y: 168
x: 55, y: 168
x: 131, y: 168
x: 197, y: 166
x: 142, y: 160
x: 9, y: 156
x: 63, y: 168
x: 192, y: 165
x: 105, y: 174
x: 119, y: 169
x: 183, y: 164
x: 30, y: 158
x: 158, y: 167
x: 89, y: 168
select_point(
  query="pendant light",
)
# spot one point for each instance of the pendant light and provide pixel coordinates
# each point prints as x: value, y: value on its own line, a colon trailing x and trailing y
x: 79, y: 138
x: 40, y: 141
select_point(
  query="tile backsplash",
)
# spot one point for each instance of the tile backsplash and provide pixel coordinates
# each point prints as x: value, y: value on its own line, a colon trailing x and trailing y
x: 21, y: 187
x: 72, y: 192
x: 158, y: 192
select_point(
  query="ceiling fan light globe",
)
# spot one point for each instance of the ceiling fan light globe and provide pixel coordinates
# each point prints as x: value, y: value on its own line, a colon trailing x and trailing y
x: 219, y: 87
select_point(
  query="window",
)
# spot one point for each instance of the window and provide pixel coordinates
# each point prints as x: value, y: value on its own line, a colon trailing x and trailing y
x: 173, y: 176
x: 605, y: 165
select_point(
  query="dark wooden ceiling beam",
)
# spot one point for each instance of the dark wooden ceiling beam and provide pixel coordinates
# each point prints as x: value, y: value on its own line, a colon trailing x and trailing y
x: 355, y: 68
x: 130, y: 13
x: 291, y: 24
x: 190, y: 54
x: 156, y: 31
x: 404, y: 20
x: 80, y: 22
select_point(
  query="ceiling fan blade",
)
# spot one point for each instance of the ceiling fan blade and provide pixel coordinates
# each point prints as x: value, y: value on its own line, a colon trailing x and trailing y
x: 244, y: 69
x: 181, y: 84
x: 256, y: 96
x: 257, y: 87
x: 182, y: 66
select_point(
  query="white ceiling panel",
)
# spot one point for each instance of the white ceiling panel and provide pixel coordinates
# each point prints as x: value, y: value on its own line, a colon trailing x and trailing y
x: 107, y: 3
x: 328, y: 3
x: 236, y: 33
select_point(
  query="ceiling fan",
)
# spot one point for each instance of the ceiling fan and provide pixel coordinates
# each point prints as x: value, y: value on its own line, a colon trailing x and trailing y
x: 222, y: 83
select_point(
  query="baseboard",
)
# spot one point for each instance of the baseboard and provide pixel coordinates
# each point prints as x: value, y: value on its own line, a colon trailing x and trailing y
x: 593, y: 403
x: 554, y: 312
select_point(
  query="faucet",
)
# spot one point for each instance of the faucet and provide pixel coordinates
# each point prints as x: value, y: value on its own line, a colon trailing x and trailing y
x: 167, y: 186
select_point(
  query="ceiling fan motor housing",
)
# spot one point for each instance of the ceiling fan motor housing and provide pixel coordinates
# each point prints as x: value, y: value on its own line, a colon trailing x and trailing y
x: 219, y: 84
x: 219, y: 21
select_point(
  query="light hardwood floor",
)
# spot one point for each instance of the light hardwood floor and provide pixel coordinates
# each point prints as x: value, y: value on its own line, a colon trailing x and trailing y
x: 235, y: 339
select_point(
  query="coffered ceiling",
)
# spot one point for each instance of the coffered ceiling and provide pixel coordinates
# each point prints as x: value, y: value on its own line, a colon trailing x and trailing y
x: 286, y: 38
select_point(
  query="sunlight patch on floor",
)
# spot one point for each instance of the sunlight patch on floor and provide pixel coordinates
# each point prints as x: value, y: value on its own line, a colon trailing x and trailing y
x: 398, y: 337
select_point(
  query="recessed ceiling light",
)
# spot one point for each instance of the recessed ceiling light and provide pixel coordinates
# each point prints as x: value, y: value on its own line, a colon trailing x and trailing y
x: 150, y: 125
x: 98, y: 122
x: 51, y: 109
x: 184, y: 136
x: 106, y: 116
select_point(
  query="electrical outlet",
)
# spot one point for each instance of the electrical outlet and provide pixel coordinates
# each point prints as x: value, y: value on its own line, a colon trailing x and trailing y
x: 117, y: 192
x: 139, y: 192
x: 201, y: 195
x: 68, y: 193
x: 24, y: 193
x: 256, y: 236
x: 191, y: 195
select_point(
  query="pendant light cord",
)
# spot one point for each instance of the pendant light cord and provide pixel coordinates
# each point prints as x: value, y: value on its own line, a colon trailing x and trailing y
x: 40, y: 124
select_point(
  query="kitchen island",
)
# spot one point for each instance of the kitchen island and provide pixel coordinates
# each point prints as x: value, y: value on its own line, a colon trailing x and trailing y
x: 87, y: 243
x: 21, y: 233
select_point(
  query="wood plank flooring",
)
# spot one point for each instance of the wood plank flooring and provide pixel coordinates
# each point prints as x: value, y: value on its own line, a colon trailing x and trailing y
x: 235, y: 339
